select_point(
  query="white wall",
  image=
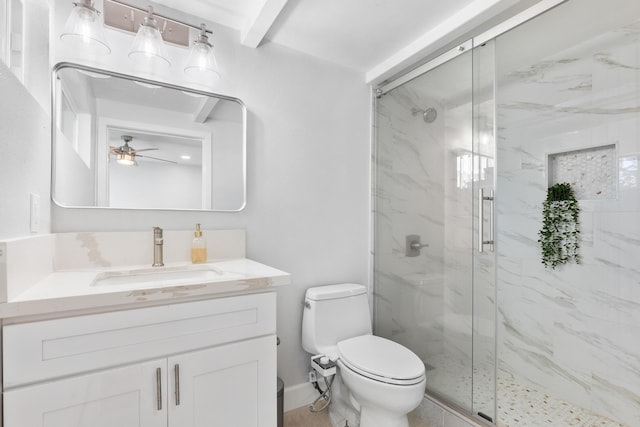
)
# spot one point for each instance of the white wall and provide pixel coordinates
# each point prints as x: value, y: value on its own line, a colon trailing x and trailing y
x: 308, y: 173
x: 155, y: 184
x: 24, y: 157
x: 75, y: 186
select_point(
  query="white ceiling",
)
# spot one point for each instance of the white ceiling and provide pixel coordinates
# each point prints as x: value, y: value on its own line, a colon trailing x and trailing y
x: 348, y: 33
x: 376, y: 37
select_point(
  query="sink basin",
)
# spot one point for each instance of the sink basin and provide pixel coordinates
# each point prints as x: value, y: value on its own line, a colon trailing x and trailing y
x: 188, y: 274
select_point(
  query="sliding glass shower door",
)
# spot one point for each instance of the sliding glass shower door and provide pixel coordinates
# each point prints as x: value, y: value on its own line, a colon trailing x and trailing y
x: 434, y: 152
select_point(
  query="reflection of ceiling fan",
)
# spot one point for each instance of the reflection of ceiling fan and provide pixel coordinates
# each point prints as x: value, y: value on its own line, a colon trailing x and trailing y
x: 126, y: 154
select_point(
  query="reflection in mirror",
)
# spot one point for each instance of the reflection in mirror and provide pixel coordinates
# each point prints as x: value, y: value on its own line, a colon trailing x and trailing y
x: 136, y: 144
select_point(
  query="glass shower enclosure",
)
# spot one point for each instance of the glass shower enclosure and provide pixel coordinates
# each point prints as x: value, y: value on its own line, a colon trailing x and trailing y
x: 434, y: 254
x: 465, y: 149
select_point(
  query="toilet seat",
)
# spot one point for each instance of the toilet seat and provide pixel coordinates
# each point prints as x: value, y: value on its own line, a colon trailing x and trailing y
x: 381, y: 360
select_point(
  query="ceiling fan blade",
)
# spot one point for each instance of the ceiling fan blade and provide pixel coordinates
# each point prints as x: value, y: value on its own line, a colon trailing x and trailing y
x: 114, y: 150
x: 155, y: 158
x: 144, y: 149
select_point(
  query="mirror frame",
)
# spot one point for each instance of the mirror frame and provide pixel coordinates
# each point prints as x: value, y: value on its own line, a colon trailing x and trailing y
x: 54, y: 121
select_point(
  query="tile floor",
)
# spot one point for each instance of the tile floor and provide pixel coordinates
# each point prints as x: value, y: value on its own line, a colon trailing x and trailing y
x: 518, y: 405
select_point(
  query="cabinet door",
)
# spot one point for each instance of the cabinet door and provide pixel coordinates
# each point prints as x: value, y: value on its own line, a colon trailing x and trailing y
x: 123, y: 397
x: 230, y: 385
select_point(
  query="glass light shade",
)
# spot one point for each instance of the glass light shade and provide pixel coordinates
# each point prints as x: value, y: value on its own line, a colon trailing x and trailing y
x: 148, y: 49
x: 126, y: 159
x: 85, y: 30
x: 202, y: 64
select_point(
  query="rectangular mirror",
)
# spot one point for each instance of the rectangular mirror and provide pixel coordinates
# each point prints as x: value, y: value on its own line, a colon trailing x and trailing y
x: 128, y: 143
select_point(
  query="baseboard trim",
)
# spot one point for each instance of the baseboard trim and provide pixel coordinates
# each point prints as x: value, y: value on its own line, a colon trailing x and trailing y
x: 299, y: 395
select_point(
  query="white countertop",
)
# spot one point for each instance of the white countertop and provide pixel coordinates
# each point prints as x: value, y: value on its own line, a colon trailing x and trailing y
x: 73, y: 290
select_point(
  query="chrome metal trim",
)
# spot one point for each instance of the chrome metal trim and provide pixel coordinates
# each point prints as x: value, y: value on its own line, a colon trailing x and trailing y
x: 159, y: 389
x: 176, y: 377
x: 492, y: 204
x: 54, y: 143
x: 166, y: 18
x: 158, y: 243
x: 480, y: 220
x: 481, y: 199
x: 436, y: 62
x: 478, y: 40
x: 413, y: 245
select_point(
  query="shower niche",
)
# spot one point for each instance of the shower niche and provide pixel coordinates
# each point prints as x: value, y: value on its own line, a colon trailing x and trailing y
x: 592, y: 172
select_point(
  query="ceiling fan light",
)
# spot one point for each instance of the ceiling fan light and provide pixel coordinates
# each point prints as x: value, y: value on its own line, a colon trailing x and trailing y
x: 148, y: 49
x: 84, y: 28
x: 126, y: 159
x: 201, y: 65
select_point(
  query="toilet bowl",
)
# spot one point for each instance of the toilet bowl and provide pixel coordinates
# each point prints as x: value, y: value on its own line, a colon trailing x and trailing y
x: 385, y: 380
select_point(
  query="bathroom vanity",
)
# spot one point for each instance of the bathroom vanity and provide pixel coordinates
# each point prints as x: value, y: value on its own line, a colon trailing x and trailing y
x: 97, y: 328
x: 156, y: 351
x: 174, y: 365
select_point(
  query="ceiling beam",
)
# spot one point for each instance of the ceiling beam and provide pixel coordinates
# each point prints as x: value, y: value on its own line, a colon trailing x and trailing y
x: 260, y: 23
x: 206, y: 107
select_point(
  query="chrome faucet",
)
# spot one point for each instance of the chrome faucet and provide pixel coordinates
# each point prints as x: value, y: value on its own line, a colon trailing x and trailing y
x: 158, y: 241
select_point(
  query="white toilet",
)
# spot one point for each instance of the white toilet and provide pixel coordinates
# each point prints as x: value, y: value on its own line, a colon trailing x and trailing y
x: 385, y: 379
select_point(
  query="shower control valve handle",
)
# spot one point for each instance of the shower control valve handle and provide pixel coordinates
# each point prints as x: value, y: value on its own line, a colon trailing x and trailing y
x: 413, y: 245
x: 416, y: 245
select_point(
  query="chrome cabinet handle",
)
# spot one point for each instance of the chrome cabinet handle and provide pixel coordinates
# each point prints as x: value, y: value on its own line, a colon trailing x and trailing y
x: 159, y: 388
x: 176, y: 375
x: 481, y: 199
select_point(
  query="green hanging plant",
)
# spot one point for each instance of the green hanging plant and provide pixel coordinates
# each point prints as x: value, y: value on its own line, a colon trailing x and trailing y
x: 560, y: 233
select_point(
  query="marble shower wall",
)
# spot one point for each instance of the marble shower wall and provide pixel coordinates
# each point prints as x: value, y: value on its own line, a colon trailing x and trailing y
x: 424, y: 302
x: 408, y: 291
x: 573, y: 332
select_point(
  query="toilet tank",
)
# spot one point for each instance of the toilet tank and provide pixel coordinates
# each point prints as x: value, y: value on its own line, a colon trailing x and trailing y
x: 334, y: 313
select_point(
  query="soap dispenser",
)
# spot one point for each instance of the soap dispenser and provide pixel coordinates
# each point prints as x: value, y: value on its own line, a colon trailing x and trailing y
x: 198, y: 247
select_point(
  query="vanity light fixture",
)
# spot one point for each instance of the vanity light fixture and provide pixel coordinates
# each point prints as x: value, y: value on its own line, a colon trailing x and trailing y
x: 202, y: 65
x: 148, y: 50
x: 84, y: 28
x: 148, y: 47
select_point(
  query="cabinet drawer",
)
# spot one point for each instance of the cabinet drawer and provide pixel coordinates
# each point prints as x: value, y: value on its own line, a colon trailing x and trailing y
x: 54, y: 348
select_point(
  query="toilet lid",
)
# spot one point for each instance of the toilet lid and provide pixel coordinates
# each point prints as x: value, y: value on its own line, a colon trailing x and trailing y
x: 381, y: 359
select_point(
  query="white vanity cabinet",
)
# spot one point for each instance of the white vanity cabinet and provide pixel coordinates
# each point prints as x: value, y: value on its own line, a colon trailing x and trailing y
x: 206, y: 363
x: 123, y: 396
x: 230, y: 392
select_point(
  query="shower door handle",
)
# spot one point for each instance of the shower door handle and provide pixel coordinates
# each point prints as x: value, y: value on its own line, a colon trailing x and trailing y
x: 481, y: 199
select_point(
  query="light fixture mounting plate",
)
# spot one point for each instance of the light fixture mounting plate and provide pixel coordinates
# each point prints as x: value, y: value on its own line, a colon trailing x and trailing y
x: 128, y: 18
